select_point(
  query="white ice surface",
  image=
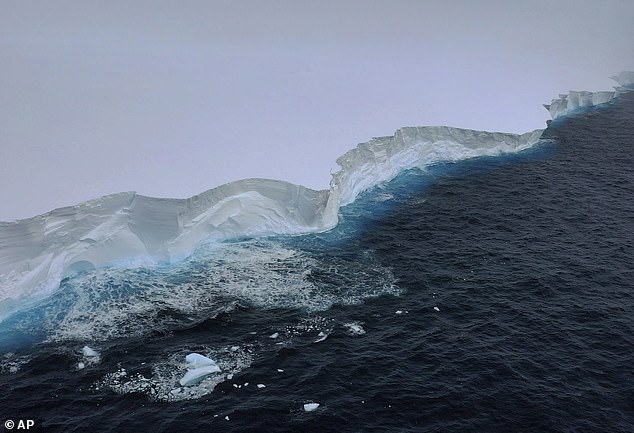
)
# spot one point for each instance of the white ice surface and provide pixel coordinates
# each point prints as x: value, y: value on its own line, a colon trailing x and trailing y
x: 196, y: 360
x: 193, y: 375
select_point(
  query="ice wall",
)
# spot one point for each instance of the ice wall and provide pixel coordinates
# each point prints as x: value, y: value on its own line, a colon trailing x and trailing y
x: 382, y: 159
x: 574, y: 100
x: 37, y: 253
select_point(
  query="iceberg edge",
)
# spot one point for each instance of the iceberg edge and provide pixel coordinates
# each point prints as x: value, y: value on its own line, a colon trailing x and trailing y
x: 37, y: 253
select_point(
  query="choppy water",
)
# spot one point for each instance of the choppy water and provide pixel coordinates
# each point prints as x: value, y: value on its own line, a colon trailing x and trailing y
x: 487, y: 296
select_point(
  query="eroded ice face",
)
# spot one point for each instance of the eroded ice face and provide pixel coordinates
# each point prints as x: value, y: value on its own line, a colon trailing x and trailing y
x: 135, y: 231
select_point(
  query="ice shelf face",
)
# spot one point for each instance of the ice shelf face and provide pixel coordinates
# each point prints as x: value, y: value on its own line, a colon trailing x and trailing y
x: 37, y: 253
x: 382, y: 159
x: 574, y: 100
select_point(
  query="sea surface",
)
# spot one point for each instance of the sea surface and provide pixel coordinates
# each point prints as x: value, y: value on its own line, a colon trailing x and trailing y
x: 491, y: 295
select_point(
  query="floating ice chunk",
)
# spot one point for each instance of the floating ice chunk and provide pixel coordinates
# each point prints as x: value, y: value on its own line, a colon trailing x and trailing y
x: 436, y: 309
x: 192, y: 376
x: 196, y: 360
x: 229, y: 376
x: 309, y: 407
x: 91, y: 353
x: 261, y: 385
x: 274, y: 335
x: 321, y: 337
x: 279, y: 370
x: 81, y: 365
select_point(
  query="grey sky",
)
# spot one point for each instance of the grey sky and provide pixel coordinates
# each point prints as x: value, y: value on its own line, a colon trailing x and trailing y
x: 172, y: 98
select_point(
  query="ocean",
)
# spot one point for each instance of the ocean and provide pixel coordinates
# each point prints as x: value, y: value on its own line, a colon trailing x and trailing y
x: 494, y: 294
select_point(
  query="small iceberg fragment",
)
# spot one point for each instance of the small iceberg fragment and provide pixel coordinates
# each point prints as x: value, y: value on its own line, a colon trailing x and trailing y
x: 274, y: 335
x: 89, y: 352
x: 195, y: 360
x: 261, y: 385
x: 436, y: 309
x: 309, y: 407
x: 192, y: 376
x: 321, y: 337
x: 199, y: 366
x: 81, y: 366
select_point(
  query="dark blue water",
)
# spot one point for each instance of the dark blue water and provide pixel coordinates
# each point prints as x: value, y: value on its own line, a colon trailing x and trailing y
x: 529, y: 261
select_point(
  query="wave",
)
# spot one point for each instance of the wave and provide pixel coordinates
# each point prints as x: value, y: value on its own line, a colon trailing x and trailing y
x: 36, y: 254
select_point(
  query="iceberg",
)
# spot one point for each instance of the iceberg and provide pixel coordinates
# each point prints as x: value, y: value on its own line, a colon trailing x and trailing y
x: 37, y: 253
x: 574, y: 100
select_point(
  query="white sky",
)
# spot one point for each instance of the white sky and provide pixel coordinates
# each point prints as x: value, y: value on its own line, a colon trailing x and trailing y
x: 172, y: 98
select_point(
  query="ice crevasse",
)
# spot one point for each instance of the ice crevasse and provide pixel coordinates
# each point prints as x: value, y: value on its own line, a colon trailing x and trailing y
x: 37, y: 253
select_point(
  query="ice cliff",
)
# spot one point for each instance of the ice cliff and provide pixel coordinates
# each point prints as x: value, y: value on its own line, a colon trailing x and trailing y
x: 37, y: 253
x: 574, y: 100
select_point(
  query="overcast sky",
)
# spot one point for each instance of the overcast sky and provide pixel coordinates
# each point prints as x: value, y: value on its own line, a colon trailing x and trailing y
x: 172, y: 98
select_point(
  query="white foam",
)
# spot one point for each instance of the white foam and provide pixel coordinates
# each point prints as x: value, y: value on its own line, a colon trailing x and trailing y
x: 354, y: 328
